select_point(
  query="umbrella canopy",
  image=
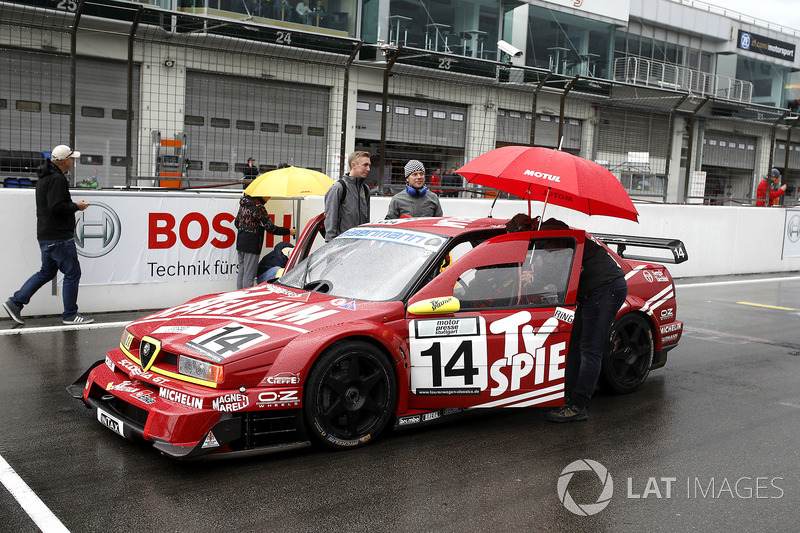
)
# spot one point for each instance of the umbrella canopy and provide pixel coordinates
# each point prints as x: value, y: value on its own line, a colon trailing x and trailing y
x: 289, y: 182
x: 551, y: 176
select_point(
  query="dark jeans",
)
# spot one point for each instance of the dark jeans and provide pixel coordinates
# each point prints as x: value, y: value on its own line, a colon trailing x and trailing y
x: 589, y: 340
x: 56, y: 255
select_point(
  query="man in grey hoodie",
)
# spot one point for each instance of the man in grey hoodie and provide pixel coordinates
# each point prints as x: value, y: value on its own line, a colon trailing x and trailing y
x: 416, y: 200
x: 347, y: 201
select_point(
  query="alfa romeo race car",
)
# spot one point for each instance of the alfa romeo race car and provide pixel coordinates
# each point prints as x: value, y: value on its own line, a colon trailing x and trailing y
x: 391, y: 324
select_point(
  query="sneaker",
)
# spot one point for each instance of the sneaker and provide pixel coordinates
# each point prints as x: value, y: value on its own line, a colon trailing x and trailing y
x: 568, y: 413
x: 78, y: 319
x: 14, y: 310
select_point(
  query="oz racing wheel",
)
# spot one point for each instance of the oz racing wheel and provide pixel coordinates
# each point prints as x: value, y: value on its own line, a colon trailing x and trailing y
x: 627, y: 362
x: 350, y: 395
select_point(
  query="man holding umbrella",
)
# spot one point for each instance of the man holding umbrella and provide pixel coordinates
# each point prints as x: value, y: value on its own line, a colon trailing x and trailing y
x: 569, y: 181
x: 252, y: 221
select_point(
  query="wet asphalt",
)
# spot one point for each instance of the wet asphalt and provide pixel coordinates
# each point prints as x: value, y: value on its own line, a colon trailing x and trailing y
x: 726, y: 408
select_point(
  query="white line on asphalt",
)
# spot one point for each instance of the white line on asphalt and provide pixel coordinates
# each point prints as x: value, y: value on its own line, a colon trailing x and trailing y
x: 48, y: 329
x: 28, y: 500
x: 737, y: 282
x: 789, y: 404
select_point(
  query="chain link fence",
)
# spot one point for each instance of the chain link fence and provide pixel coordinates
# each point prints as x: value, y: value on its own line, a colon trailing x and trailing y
x: 154, y: 97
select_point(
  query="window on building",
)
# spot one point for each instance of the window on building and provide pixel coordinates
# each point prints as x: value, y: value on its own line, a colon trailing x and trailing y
x: 379, y: 108
x: 194, y: 120
x: 218, y: 166
x: 247, y: 125
x: 93, y: 112
x: 458, y: 117
x: 239, y: 167
x: 87, y: 159
x: 362, y: 106
x: 401, y: 110
x: 119, y: 114
x: 514, y: 114
x: 266, y: 168
x: 119, y: 161
x: 220, y: 123
x: 270, y: 127
x: 194, y: 164
x: 439, y: 115
x: 316, y: 132
x: 60, y: 109
x: 420, y: 112
x: 3, y: 103
x: 293, y: 129
x: 29, y: 106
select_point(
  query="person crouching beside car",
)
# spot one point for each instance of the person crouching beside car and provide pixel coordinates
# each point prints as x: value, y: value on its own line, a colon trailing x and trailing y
x: 251, y: 222
x: 416, y: 200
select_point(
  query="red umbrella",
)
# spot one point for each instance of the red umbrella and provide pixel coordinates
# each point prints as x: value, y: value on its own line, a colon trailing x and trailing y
x: 546, y: 175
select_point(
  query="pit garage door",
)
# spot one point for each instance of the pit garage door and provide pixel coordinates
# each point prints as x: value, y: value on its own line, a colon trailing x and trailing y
x: 229, y: 119
x: 35, y: 113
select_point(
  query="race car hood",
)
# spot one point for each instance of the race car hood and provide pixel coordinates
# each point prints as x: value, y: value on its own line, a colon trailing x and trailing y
x: 227, y: 327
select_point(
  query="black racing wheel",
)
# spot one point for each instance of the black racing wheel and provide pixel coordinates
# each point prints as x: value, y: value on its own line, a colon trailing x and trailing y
x: 350, y: 395
x: 627, y: 362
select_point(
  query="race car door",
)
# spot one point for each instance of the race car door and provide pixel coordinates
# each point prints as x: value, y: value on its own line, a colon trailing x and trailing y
x: 507, y: 342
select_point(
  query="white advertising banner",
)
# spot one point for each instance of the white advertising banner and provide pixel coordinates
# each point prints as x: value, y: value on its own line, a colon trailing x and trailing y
x: 791, y: 234
x: 613, y: 9
x: 160, y: 238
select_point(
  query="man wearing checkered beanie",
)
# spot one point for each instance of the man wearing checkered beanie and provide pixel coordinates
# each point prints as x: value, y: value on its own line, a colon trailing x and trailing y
x: 415, y: 200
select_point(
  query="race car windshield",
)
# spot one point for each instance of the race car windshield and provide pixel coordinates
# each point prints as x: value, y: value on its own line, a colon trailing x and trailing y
x: 366, y: 263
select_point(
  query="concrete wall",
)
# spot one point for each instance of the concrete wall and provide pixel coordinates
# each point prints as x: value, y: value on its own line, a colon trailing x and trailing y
x: 719, y: 241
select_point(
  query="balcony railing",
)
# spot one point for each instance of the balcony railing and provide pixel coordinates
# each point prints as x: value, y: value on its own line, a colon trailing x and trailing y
x: 642, y: 71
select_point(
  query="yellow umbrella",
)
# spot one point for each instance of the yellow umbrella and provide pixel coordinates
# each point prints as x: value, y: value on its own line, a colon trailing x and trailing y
x: 289, y: 182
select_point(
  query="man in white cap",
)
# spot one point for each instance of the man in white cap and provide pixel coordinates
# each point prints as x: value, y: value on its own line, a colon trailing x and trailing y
x: 55, y: 231
x: 416, y: 200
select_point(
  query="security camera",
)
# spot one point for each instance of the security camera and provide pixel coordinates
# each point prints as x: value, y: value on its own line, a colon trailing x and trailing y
x: 509, y: 49
x: 169, y: 63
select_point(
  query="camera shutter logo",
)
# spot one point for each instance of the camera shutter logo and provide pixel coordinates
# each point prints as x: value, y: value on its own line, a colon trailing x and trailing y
x: 585, y: 509
x: 97, y: 230
x: 793, y: 228
x: 744, y: 41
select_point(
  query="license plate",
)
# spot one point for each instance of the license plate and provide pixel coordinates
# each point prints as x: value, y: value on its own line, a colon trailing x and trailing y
x: 111, y: 422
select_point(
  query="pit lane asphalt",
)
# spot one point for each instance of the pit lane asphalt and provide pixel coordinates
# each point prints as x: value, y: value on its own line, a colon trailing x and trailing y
x: 726, y: 406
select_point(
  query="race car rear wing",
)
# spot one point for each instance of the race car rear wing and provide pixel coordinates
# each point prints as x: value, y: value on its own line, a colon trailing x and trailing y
x: 622, y: 242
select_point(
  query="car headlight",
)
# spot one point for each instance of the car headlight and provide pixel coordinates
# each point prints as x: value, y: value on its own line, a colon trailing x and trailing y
x: 199, y: 369
x: 126, y: 339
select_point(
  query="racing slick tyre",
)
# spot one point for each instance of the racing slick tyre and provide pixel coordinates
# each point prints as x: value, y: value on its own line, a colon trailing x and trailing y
x: 627, y: 362
x: 350, y: 395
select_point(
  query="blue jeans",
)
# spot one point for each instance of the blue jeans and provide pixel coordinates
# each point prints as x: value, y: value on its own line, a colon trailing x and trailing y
x: 56, y: 255
x: 589, y: 340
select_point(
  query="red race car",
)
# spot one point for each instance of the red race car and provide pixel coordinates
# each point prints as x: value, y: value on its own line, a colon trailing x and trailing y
x: 391, y: 324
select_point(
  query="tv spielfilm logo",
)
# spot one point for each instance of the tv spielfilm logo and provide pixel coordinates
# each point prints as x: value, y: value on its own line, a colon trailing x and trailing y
x: 97, y: 230
x: 585, y: 509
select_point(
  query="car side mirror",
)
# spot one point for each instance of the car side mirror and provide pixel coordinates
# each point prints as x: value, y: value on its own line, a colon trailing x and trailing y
x: 435, y: 306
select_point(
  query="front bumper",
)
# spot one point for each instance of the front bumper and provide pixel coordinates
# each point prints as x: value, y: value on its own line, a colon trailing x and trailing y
x: 185, y: 421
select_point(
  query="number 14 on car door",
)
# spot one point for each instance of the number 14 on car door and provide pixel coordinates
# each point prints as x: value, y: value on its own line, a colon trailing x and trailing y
x: 448, y: 356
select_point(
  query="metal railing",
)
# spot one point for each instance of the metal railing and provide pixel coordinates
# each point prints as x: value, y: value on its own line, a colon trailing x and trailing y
x: 736, y: 15
x: 640, y: 71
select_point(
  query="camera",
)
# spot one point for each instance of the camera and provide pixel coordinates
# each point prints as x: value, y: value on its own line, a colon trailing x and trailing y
x: 509, y: 49
x: 169, y: 63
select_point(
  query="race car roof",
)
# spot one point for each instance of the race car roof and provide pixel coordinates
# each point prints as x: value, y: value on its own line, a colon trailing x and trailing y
x: 444, y: 226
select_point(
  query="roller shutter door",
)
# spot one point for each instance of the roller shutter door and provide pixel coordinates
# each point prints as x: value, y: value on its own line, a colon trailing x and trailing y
x: 620, y: 132
x: 412, y: 121
x: 229, y: 119
x: 727, y: 150
x: 514, y: 127
x: 36, y: 114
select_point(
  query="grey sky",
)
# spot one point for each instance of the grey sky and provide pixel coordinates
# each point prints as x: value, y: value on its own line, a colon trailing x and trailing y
x: 783, y: 12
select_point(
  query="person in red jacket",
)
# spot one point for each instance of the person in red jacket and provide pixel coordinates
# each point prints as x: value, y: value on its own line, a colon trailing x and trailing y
x: 770, y: 185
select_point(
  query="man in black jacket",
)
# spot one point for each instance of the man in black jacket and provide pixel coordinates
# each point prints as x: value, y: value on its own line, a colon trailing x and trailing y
x: 602, y: 290
x: 55, y: 231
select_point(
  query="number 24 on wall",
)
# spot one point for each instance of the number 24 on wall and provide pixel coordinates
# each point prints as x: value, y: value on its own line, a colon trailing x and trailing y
x: 67, y: 5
